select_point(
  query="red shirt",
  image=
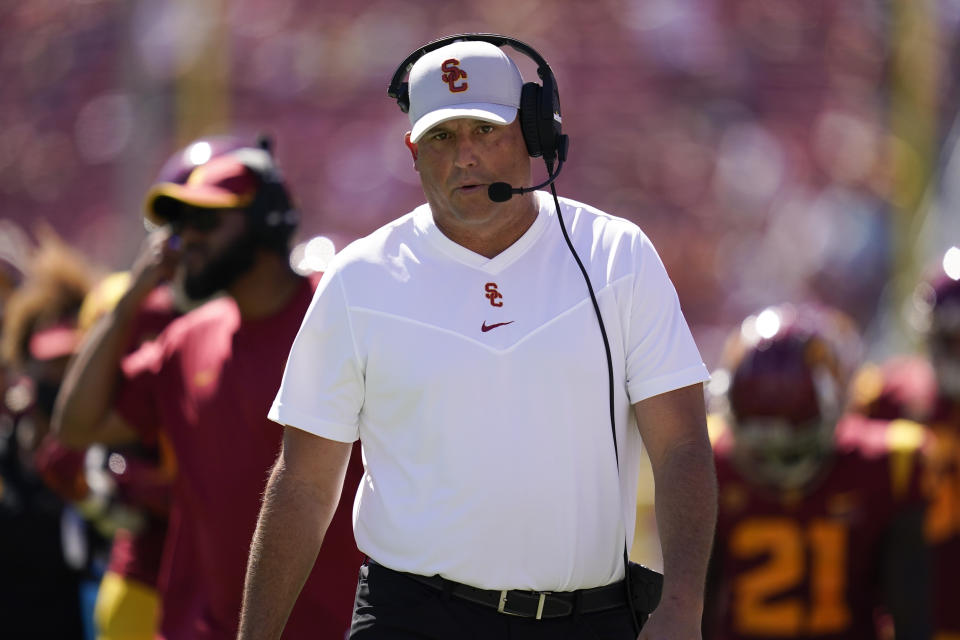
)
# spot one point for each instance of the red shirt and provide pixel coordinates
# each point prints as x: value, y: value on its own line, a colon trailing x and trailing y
x: 208, y: 382
x: 807, y: 565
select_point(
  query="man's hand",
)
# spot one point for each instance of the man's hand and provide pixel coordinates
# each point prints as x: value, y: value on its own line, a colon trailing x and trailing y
x: 157, y: 261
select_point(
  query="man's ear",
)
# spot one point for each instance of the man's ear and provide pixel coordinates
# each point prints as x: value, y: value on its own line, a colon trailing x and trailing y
x: 410, y: 145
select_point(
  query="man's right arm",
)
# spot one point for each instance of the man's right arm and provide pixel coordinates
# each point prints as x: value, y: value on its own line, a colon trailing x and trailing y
x: 82, y: 414
x: 299, y: 502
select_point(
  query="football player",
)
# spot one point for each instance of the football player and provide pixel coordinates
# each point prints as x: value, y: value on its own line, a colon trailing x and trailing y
x: 819, y: 526
x: 928, y: 390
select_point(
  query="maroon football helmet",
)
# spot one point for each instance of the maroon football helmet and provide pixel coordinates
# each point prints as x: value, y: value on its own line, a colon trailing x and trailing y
x: 788, y: 371
x: 939, y: 298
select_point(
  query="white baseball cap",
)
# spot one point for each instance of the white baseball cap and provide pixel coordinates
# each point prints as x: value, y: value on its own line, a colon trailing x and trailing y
x: 467, y: 79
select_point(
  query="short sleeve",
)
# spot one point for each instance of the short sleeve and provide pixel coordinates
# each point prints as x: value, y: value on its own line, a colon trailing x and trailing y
x: 661, y: 354
x: 322, y: 387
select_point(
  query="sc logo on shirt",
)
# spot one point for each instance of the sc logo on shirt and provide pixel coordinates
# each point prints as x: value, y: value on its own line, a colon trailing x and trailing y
x: 493, y: 295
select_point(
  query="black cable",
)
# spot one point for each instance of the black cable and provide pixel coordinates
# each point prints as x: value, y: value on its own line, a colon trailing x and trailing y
x: 613, y: 416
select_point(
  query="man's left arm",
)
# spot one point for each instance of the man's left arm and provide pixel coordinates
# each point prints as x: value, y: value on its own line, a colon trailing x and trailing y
x: 673, y: 426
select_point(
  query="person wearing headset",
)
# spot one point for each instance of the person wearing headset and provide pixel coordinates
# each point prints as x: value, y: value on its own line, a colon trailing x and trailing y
x: 200, y: 385
x: 466, y: 348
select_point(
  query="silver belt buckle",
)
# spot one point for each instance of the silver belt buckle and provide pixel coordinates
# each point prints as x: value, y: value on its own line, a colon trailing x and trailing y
x: 503, y: 603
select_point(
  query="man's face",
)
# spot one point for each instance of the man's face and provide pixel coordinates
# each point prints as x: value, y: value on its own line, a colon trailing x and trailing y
x: 218, y: 247
x: 457, y: 161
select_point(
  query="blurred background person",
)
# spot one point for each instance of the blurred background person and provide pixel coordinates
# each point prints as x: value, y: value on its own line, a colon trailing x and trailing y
x: 820, y: 526
x: 206, y: 384
x: 124, y: 492
x: 926, y: 387
x: 50, y: 560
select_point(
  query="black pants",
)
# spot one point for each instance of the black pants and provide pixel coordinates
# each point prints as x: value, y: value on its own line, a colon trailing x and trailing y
x: 392, y: 606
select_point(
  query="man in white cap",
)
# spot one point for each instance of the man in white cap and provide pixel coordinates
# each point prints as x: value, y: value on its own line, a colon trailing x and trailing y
x: 459, y: 344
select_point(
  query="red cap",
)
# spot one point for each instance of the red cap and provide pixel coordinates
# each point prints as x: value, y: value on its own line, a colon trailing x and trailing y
x: 223, y: 183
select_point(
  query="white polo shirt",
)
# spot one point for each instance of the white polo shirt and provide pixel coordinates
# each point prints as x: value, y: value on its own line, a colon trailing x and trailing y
x: 478, y: 388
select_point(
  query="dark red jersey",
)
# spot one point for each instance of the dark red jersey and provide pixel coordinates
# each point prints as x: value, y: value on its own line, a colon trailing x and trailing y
x: 207, y: 384
x: 907, y: 387
x: 808, y: 564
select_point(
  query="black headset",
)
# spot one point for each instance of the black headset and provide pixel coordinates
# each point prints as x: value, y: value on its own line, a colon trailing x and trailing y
x: 540, y: 119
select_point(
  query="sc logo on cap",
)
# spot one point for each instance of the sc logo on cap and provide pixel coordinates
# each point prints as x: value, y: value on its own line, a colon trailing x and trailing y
x: 451, y: 73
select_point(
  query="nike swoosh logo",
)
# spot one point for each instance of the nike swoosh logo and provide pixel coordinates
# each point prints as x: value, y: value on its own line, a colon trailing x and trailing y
x: 486, y: 327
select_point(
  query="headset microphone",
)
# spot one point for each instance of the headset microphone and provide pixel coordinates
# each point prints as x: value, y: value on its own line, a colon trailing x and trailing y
x: 501, y: 191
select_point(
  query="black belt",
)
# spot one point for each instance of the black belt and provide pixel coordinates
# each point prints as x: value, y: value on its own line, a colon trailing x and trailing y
x: 528, y: 604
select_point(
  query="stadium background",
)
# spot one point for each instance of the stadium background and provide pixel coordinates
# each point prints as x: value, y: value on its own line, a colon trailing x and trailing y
x: 798, y: 150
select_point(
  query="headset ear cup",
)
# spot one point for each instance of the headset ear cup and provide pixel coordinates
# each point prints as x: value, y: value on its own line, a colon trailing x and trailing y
x: 529, y: 116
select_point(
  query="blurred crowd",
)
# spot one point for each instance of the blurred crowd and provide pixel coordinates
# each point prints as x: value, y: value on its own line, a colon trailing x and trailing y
x: 772, y: 150
x: 798, y: 151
